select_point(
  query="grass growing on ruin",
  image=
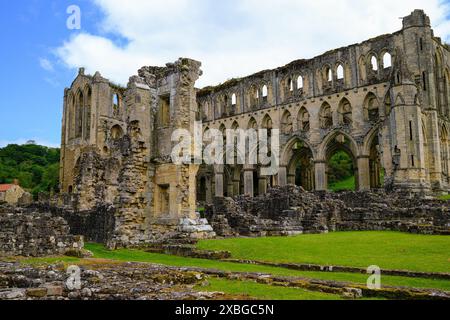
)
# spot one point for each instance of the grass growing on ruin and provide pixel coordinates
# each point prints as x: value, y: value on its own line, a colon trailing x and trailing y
x: 445, y: 197
x: 388, y: 250
x: 344, y: 185
x: 263, y: 291
x: 126, y: 255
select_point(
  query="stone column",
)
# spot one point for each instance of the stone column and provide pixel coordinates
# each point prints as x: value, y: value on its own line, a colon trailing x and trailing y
x: 321, y: 175
x: 282, y: 176
x: 236, y: 187
x: 208, y: 190
x: 248, y: 183
x: 262, y: 185
x: 219, y: 185
x: 363, y: 173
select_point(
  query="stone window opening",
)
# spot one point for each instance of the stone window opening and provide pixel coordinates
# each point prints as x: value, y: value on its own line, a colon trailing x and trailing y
x: 304, y: 120
x: 116, y: 104
x: 371, y: 108
x: 291, y: 85
x: 374, y: 63
x: 329, y: 75
x: 286, y: 123
x: 326, y: 116
x: 340, y: 72
x: 79, y: 116
x: 164, y: 105
x: 387, y: 60
x: 234, y: 100
x: 116, y: 132
x: 345, y: 113
x: 265, y: 93
x: 300, y: 83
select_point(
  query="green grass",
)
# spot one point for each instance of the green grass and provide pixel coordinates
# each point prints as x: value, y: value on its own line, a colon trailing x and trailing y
x: 263, y: 291
x: 445, y: 197
x: 388, y: 250
x: 141, y: 256
x: 345, y: 185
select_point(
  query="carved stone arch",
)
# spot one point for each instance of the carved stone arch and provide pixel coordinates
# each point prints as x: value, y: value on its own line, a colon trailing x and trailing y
x: 286, y: 153
x: 399, y: 100
x: 336, y: 134
x: 303, y: 120
x: 325, y: 116
x: 371, y: 108
x: 345, y: 112
x: 87, y: 112
x: 79, y: 113
x: 252, y: 124
x: 369, y: 138
x: 286, y: 123
x: 327, y: 74
x: 362, y: 67
x: 339, y: 141
x: 298, y: 158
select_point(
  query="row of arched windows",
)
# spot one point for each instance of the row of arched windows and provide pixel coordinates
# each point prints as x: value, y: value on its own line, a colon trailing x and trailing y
x: 230, y: 103
x: 343, y: 117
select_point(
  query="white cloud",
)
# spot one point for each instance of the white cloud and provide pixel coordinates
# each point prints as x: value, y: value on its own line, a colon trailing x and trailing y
x: 46, y: 64
x: 237, y: 37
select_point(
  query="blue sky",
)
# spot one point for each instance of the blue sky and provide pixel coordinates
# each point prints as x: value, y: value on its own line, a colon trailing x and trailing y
x: 40, y: 55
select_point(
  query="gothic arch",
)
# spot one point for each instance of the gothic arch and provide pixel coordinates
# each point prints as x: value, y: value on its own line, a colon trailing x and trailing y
x: 325, y: 116
x: 345, y: 113
x: 352, y: 145
x: 79, y: 111
x: 303, y: 120
x: 286, y: 123
x: 298, y: 157
x: 371, y: 108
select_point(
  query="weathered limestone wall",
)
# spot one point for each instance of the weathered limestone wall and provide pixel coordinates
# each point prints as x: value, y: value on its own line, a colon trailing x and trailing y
x: 34, y: 234
x: 291, y: 210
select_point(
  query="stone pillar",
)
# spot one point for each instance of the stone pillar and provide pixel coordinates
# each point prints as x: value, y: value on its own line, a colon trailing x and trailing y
x: 262, y: 185
x: 208, y: 190
x: 321, y: 175
x: 248, y: 183
x: 363, y: 173
x: 230, y: 189
x: 282, y: 176
x: 236, y: 187
x: 219, y: 185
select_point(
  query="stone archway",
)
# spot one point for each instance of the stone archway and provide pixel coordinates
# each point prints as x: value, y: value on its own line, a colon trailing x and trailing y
x: 300, y: 170
x: 342, y: 146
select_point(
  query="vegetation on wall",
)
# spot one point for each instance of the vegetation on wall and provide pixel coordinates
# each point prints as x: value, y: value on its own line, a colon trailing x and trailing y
x: 36, y: 167
x: 341, y: 174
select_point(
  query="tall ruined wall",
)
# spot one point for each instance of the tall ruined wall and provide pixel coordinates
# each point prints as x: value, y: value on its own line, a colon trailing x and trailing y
x: 388, y: 97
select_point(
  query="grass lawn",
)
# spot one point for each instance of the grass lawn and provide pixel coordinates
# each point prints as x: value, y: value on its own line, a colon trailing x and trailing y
x: 345, y: 185
x: 141, y: 256
x: 263, y: 291
x: 388, y: 250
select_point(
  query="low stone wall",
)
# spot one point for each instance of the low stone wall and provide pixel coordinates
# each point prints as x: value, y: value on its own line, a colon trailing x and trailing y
x: 291, y: 210
x: 34, y: 234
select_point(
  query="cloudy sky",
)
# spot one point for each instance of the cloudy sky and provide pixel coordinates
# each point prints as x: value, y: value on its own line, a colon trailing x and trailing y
x: 232, y: 38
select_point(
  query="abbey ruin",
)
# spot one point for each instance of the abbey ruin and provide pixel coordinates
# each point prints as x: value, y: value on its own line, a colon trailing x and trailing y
x: 385, y: 102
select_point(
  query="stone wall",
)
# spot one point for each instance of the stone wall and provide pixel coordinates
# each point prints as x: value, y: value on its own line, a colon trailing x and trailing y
x: 291, y: 210
x: 34, y: 234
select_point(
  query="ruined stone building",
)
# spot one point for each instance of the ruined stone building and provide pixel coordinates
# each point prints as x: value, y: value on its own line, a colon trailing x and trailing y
x: 385, y: 102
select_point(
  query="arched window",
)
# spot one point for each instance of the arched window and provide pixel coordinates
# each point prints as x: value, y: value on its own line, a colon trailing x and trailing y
x: 326, y: 117
x: 371, y: 108
x: 286, y: 123
x: 265, y: 91
x: 387, y: 60
x: 303, y: 120
x: 329, y: 75
x: 79, y: 115
x: 87, y: 115
x: 233, y: 99
x: 300, y: 82
x: 340, y: 72
x: 374, y: 62
x: 116, y: 104
x: 345, y: 113
x: 291, y: 85
x: 116, y: 132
